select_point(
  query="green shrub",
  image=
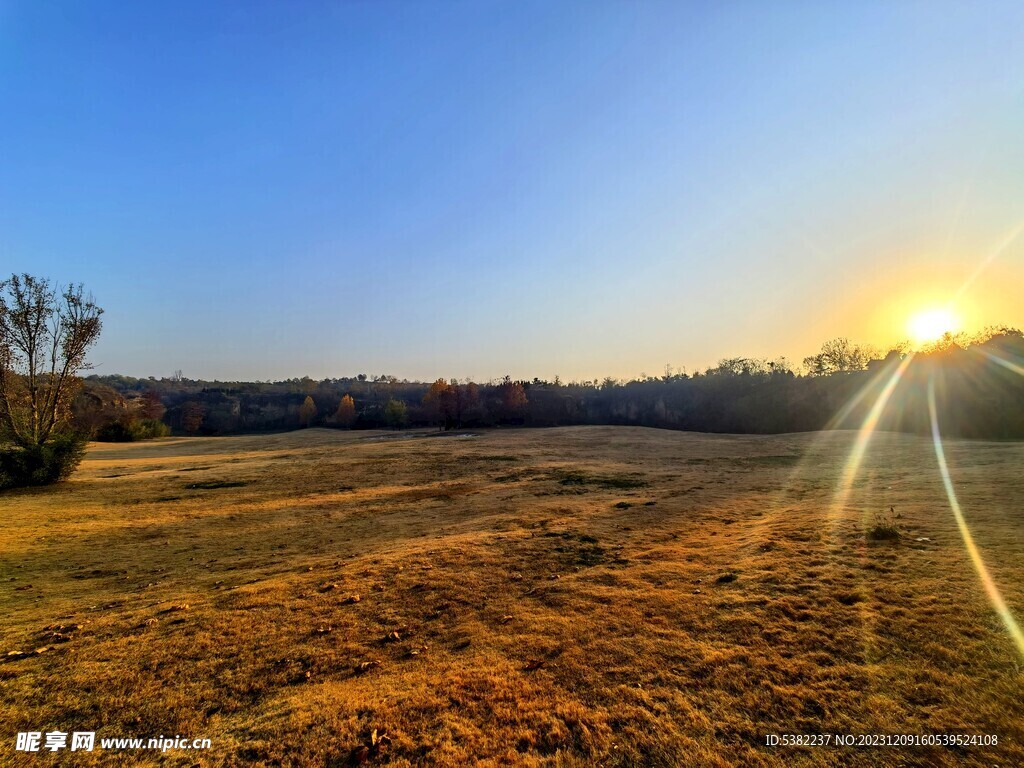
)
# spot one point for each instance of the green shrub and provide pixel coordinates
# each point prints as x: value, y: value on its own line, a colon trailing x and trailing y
x: 150, y: 428
x: 51, y: 462
x: 115, y: 432
x: 396, y: 414
x: 130, y: 431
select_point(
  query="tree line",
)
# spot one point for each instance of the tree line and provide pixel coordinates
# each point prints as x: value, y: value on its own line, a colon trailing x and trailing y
x: 48, y: 412
x: 978, y: 382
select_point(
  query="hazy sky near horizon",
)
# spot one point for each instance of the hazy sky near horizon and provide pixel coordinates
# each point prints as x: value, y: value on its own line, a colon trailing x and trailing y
x: 261, y: 190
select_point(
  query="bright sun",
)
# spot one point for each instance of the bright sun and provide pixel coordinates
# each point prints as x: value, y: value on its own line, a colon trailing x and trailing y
x: 929, y: 325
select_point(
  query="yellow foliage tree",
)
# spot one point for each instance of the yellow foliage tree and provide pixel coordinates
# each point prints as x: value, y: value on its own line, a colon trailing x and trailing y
x: 307, y: 411
x: 346, y: 413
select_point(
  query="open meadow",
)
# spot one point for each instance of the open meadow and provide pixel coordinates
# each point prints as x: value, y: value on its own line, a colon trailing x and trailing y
x: 613, y: 596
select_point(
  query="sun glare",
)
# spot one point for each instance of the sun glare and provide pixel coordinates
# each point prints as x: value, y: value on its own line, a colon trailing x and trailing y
x: 931, y: 324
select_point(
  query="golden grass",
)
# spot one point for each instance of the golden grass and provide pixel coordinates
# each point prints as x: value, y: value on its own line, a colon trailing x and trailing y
x: 572, y: 597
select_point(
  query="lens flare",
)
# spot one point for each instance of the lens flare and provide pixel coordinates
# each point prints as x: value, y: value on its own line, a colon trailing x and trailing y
x: 867, y: 429
x: 1000, y: 360
x: 987, y: 582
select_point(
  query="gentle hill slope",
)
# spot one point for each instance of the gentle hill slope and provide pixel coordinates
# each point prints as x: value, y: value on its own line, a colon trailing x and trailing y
x: 577, y: 596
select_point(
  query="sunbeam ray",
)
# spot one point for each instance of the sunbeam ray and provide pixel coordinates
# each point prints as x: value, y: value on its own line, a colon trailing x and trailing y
x: 1000, y: 360
x: 987, y: 582
x: 1005, y: 243
x: 867, y: 429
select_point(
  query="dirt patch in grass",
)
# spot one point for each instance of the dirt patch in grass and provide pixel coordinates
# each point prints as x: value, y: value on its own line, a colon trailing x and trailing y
x: 746, y: 462
x: 575, y: 477
x: 440, y: 492
x: 210, y: 485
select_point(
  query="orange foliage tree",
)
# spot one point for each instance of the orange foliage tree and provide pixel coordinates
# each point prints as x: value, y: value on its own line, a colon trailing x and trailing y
x: 346, y: 413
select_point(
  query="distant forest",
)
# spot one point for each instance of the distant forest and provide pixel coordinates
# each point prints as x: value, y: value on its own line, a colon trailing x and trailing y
x: 979, y: 386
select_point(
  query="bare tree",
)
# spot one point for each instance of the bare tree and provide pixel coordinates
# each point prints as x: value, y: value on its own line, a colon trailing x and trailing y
x: 45, y: 333
x: 839, y: 356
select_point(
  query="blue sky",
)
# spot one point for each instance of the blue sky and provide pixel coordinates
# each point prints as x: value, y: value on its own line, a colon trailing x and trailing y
x: 267, y: 190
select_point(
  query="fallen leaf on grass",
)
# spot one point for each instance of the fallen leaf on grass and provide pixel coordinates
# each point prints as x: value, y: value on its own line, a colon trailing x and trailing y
x: 351, y: 599
x: 366, y: 666
x: 505, y: 619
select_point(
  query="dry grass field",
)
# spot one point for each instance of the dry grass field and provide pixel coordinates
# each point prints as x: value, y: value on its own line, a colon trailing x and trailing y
x: 565, y: 597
